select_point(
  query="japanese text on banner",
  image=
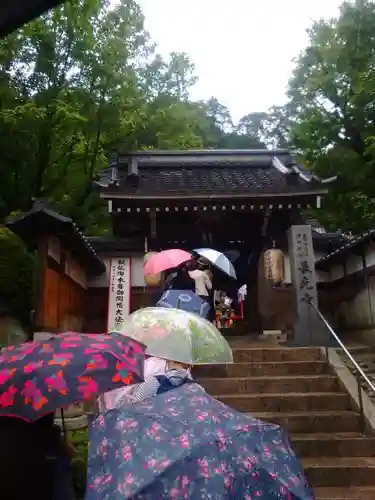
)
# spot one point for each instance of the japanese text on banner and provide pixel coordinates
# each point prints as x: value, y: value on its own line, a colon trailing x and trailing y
x: 119, y: 291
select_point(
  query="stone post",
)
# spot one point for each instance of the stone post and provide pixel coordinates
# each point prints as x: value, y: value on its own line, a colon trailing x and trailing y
x: 308, y: 328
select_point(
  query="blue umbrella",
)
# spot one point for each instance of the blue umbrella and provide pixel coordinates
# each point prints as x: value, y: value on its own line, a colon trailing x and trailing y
x: 185, y: 300
x: 185, y: 444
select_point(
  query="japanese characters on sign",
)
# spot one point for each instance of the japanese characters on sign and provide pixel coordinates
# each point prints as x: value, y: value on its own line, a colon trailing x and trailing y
x: 268, y: 259
x: 119, y: 293
x: 308, y: 329
x: 304, y: 267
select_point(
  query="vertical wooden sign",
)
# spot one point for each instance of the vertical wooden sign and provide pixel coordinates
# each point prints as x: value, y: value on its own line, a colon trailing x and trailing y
x: 119, y: 292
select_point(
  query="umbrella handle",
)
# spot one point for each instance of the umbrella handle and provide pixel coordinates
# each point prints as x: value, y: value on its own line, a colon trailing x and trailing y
x: 63, y: 422
x: 178, y: 303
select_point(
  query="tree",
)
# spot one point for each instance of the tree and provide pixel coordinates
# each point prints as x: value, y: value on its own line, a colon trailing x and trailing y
x: 68, y: 92
x: 83, y: 80
x: 168, y: 119
x: 331, y: 112
x: 253, y: 125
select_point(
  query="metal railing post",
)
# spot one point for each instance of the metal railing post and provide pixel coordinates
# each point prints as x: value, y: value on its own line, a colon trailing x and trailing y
x: 360, y: 403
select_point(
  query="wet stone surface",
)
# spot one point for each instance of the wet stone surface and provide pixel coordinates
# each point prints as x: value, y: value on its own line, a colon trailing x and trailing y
x: 365, y: 357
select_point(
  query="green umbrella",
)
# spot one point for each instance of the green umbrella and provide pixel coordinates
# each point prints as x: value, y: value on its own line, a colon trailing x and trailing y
x: 178, y: 335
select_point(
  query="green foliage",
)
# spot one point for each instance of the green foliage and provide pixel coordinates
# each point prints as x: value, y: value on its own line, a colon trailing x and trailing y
x: 85, y: 79
x: 16, y: 275
x: 79, y: 439
x: 331, y: 112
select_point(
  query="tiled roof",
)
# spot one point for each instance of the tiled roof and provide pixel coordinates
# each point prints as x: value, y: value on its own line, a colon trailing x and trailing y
x: 41, y: 220
x: 215, y: 173
x: 235, y: 179
x: 349, y: 245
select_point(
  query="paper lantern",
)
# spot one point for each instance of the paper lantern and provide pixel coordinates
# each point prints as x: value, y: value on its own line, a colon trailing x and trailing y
x: 274, y: 266
x: 152, y: 280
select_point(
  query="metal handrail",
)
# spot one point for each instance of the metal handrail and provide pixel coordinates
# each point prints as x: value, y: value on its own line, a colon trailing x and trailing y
x: 359, y: 375
x: 341, y: 344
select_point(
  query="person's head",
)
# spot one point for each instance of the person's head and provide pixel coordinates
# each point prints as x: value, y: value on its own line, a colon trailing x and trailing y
x: 176, y: 365
x: 190, y: 265
x: 202, y: 264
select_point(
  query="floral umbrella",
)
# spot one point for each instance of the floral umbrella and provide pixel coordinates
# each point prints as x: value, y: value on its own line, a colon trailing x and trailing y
x: 37, y: 378
x: 178, y: 335
x: 185, y: 444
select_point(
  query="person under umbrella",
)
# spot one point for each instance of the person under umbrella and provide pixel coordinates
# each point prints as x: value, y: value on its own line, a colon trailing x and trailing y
x: 167, y: 259
x: 203, y: 285
x: 218, y: 260
x: 36, y: 379
x: 178, y: 335
x: 182, y: 443
x: 182, y: 280
x: 172, y: 333
x: 186, y: 300
x: 175, y: 375
x: 113, y: 399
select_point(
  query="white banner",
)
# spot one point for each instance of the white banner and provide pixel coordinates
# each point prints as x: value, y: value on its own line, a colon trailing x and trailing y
x: 119, y: 292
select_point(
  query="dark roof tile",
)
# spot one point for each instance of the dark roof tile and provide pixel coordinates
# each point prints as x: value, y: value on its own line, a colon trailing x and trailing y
x: 236, y: 179
x: 212, y: 172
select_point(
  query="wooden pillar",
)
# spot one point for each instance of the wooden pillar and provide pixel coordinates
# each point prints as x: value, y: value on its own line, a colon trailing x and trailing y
x: 308, y: 330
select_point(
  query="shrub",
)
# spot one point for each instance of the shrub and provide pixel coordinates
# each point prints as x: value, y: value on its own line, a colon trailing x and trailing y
x: 16, y: 275
x: 79, y: 464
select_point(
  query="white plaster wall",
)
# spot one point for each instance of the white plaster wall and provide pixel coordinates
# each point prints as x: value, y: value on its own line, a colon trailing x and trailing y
x: 322, y: 277
x: 337, y: 272
x: 357, y: 313
x: 354, y: 264
x: 137, y: 270
x: 370, y: 254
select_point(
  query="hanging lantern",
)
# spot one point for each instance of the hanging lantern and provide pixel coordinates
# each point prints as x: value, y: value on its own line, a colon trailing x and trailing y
x: 152, y: 280
x: 274, y: 266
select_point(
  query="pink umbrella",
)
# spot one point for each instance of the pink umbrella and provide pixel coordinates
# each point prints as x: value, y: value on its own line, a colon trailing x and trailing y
x: 167, y: 259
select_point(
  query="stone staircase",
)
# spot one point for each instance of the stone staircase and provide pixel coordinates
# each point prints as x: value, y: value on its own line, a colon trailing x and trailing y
x: 295, y: 388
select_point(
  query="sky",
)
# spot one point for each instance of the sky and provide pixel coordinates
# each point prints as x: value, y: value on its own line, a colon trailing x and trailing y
x: 242, y: 49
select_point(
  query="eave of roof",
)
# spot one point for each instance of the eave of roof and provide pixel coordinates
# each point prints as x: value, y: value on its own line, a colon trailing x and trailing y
x: 350, y: 245
x: 104, y: 244
x: 114, y: 180
x: 44, y: 221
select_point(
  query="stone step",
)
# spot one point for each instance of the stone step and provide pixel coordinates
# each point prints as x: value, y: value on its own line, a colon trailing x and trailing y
x: 287, y: 402
x: 276, y: 353
x: 263, y: 369
x: 337, y: 493
x: 340, y: 471
x: 281, y: 384
x: 313, y: 421
x: 333, y: 445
